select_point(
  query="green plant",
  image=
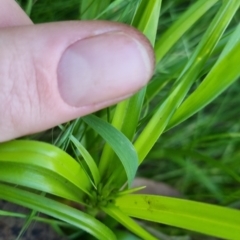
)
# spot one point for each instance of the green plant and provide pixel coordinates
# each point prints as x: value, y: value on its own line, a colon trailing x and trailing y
x: 95, y: 158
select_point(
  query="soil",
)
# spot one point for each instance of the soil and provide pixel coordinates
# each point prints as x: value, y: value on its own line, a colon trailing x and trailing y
x: 10, y: 226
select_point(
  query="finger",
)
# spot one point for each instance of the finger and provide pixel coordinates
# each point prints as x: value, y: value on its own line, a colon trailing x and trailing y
x: 53, y: 73
x: 12, y: 15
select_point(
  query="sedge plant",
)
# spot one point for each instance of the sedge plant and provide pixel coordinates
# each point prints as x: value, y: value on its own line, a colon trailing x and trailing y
x: 91, y: 162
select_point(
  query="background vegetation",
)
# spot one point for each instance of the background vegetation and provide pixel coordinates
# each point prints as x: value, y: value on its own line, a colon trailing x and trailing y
x: 200, y: 157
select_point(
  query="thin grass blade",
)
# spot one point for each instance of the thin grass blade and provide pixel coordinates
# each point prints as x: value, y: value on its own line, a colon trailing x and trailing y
x: 160, y: 119
x: 92, y: 9
x: 183, y: 24
x: 147, y: 17
x: 223, y: 74
x: 221, y: 77
x: 28, y: 221
x: 95, y: 174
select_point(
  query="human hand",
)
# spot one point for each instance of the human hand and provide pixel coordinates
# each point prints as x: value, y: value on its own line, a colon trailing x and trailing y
x: 53, y: 73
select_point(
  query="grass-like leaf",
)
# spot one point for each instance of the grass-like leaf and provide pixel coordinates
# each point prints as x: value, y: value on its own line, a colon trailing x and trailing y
x: 91, y: 9
x: 27, y: 223
x: 57, y: 210
x: 223, y: 74
x: 146, y: 20
x: 127, y: 222
x: 39, y: 179
x: 160, y: 119
x: 119, y: 143
x: 95, y: 174
x: 44, y: 167
x: 208, y: 219
x: 147, y: 17
x: 29, y: 7
x: 184, y: 23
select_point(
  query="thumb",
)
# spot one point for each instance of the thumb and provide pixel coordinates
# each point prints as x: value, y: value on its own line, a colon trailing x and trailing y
x: 53, y: 73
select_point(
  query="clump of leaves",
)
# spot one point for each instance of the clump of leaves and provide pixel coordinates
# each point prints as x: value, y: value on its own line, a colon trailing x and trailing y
x: 94, y: 159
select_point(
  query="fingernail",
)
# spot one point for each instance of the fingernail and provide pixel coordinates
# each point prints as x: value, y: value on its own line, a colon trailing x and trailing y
x: 103, y: 67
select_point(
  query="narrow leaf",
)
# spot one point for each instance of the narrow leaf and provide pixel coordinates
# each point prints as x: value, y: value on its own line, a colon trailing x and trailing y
x: 43, y: 160
x: 120, y: 144
x: 205, y: 218
x: 147, y: 17
x: 223, y: 74
x: 28, y: 221
x: 88, y: 159
x: 92, y: 8
x: 57, y: 210
x: 39, y: 179
x: 145, y: 20
x: 161, y: 118
x: 127, y: 222
x: 184, y: 23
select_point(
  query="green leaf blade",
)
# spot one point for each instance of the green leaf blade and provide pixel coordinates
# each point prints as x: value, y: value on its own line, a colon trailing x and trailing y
x: 147, y: 17
x: 126, y: 221
x: 161, y: 118
x: 39, y: 179
x: 119, y: 143
x: 205, y: 218
x: 184, y: 23
x: 223, y: 74
x: 57, y: 210
x: 45, y: 162
x: 88, y: 159
x: 89, y: 10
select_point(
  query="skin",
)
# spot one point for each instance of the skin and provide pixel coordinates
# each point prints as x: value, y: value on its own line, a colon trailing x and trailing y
x: 52, y: 73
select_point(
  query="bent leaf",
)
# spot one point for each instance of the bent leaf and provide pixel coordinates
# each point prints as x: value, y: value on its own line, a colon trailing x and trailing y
x: 119, y: 143
x: 36, y: 162
x: 88, y: 160
x: 39, y: 179
x: 145, y: 20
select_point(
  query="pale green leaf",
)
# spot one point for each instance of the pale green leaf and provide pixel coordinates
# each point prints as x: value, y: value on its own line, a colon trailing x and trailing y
x: 222, y: 75
x: 183, y: 23
x: 127, y: 113
x: 147, y: 17
x: 45, y: 162
x: 39, y: 179
x: 127, y: 222
x: 161, y: 118
x: 204, y: 218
